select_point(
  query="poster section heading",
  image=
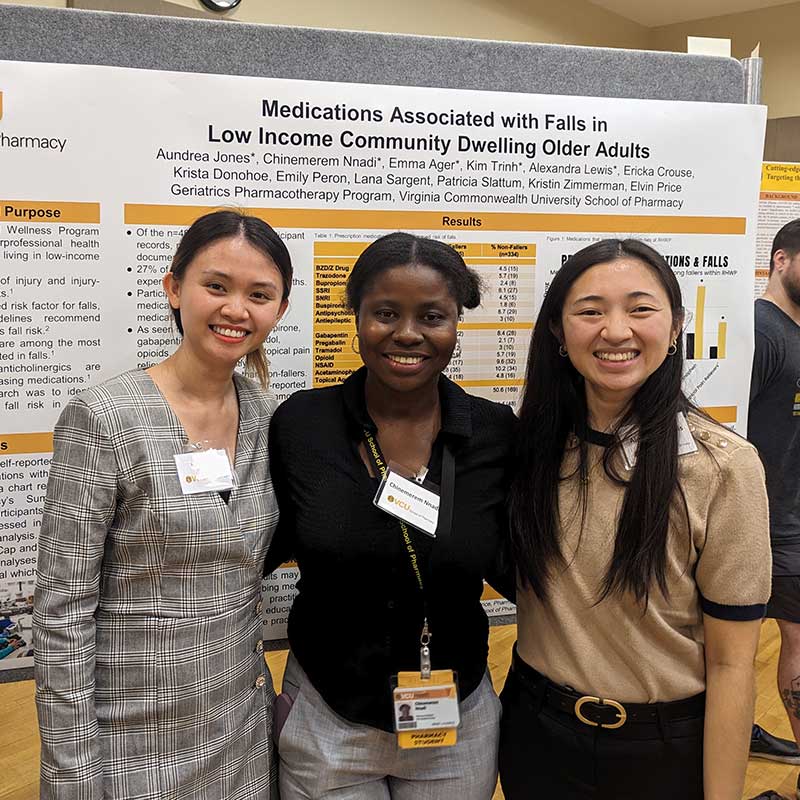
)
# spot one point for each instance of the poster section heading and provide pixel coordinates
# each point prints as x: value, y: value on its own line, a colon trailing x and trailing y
x: 98, y: 190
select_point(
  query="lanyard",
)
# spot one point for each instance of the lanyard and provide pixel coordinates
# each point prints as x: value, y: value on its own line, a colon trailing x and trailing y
x: 448, y: 487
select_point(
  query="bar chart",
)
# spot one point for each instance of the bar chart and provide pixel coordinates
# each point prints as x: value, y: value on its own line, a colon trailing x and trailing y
x: 707, y: 328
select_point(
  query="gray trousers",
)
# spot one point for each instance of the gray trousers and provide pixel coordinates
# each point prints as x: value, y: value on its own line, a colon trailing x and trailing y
x: 325, y: 757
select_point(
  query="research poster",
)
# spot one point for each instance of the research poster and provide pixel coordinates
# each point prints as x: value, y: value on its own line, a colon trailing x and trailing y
x: 104, y: 168
x: 779, y: 203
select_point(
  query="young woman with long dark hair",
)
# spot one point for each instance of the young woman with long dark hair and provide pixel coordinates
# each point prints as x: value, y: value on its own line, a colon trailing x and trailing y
x: 150, y: 674
x: 639, y: 528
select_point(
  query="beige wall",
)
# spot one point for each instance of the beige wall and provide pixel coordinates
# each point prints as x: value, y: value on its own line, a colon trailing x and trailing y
x: 49, y: 3
x: 776, y: 28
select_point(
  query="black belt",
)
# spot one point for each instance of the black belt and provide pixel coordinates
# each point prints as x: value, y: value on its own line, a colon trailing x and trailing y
x: 604, y: 712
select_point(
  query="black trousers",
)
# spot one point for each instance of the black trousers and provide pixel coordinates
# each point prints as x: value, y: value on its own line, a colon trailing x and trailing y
x: 548, y: 752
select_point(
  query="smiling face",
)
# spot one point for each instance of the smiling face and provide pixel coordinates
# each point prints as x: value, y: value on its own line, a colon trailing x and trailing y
x: 616, y: 326
x: 229, y: 298
x: 407, y: 327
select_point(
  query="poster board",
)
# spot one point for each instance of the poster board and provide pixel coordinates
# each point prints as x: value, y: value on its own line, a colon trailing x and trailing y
x: 95, y: 198
x: 779, y: 203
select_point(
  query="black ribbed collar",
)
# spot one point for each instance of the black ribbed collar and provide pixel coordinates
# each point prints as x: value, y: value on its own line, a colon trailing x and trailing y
x: 455, y: 403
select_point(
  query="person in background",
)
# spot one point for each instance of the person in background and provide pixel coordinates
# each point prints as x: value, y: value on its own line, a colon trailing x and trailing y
x: 640, y: 532
x: 140, y: 578
x: 774, y: 428
x: 379, y: 596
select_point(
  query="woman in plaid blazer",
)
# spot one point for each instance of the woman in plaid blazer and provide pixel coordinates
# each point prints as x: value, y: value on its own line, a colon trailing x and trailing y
x: 151, y: 681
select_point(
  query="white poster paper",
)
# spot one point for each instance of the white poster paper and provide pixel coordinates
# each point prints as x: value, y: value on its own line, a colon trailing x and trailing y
x: 104, y: 168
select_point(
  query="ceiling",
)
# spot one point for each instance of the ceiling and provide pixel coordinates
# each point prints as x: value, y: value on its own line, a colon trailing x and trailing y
x: 653, y: 13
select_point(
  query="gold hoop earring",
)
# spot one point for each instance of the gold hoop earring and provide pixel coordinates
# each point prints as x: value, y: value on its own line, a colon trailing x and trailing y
x: 353, y: 344
x: 673, y: 348
x: 562, y: 351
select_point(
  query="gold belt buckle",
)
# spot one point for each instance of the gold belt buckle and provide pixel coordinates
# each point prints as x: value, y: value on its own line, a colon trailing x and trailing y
x: 618, y: 707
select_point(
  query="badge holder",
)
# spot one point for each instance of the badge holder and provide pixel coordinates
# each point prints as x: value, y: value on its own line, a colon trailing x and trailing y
x: 203, y: 468
x: 409, y: 498
x: 425, y: 704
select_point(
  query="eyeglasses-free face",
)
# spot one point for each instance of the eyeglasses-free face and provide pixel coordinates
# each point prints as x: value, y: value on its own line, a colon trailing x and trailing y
x: 616, y: 326
x: 230, y: 299
x: 407, y: 327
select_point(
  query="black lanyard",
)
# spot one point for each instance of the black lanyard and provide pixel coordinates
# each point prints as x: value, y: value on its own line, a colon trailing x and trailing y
x: 442, y: 529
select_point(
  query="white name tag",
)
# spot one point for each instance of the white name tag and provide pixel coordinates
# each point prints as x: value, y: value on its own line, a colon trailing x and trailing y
x: 630, y: 442
x: 204, y: 471
x: 422, y: 708
x: 408, y: 501
x: 686, y: 442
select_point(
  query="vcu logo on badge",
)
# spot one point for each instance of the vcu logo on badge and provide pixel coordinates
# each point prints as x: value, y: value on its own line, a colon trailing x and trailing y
x: 398, y: 502
x: 796, y: 407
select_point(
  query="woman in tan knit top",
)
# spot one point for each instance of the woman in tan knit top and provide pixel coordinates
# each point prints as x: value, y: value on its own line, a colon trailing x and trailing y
x: 640, y: 532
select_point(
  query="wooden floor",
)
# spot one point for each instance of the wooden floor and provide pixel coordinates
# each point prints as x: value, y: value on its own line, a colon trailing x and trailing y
x: 19, y: 740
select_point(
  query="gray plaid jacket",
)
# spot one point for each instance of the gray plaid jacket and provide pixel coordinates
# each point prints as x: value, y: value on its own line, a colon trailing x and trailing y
x: 150, y: 678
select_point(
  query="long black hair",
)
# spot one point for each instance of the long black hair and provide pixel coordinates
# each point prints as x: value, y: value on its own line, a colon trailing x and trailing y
x: 554, y: 408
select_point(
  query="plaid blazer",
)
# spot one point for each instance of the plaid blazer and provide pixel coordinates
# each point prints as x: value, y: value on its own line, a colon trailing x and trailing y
x: 150, y: 676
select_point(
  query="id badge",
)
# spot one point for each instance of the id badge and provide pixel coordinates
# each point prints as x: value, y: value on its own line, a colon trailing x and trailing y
x: 204, y: 469
x: 630, y: 441
x: 426, y: 712
x: 411, y: 499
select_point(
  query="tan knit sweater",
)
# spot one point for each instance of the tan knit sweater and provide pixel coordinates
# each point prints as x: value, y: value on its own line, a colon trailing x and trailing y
x: 615, y: 648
